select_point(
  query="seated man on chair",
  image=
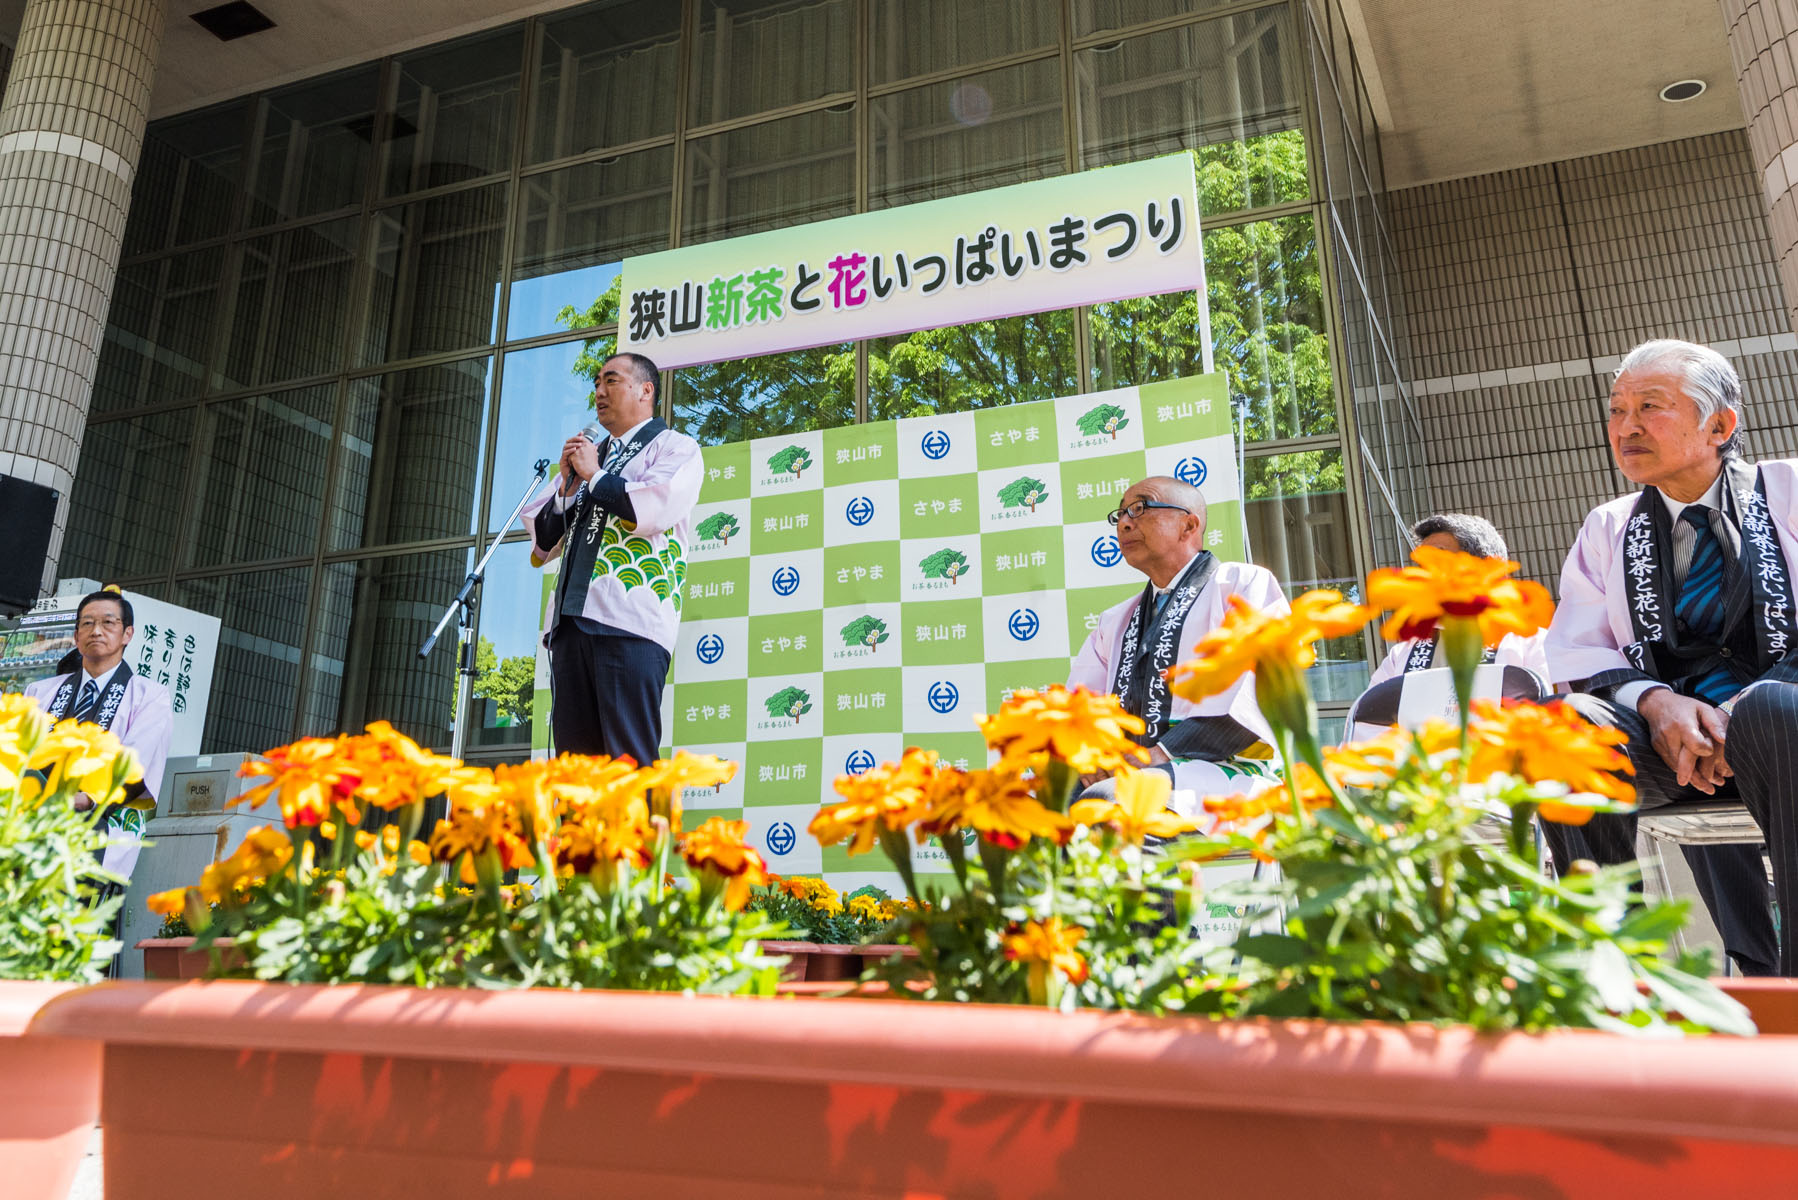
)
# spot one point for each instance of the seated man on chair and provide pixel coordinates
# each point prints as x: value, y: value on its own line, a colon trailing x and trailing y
x: 1161, y: 531
x: 1676, y: 626
x: 1465, y: 534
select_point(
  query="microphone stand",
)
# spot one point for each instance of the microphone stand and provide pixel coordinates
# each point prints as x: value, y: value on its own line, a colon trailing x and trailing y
x: 462, y: 610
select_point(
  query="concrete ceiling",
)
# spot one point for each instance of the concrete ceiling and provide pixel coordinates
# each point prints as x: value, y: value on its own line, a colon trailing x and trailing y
x: 1471, y: 86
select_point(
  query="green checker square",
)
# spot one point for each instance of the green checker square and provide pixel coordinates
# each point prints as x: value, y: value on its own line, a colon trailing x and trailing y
x: 964, y: 750
x: 935, y: 507
x: 1085, y: 605
x: 861, y: 453
x: 710, y: 712
x: 838, y: 858
x: 793, y: 521
x: 942, y: 632
x: 1223, y: 530
x: 866, y: 701
x: 1022, y: 560
x: 1092, y: 487
x: 782, y: 772
x: 1015, y: 434
x: 1183, y: 410
x: 716, y: 587
x: 1003, y: 678
x: 786, y: 644
x: 726, y: 473
x: 861, y: 573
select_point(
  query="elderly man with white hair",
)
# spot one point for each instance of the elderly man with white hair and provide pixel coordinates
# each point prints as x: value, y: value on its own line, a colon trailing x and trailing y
x: 1676, y: 626
x: 1200, y: 744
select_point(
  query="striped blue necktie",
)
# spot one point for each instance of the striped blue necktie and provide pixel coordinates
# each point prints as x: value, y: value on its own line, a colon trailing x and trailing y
x: 90, y: 696
x: 1700, y: 606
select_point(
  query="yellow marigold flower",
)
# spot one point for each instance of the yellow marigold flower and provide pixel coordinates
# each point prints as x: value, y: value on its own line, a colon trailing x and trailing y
x: 866, y: 907
x: 688, y: 771
x: 479, y: 820
x: 718, y: 849
x: 1088, y: 732
x: 1445, y: 584
x: 892, y: 795
x: 1048, y: 944
x: 22, y: 725
x: 1550, y: 743
x: 1272, y: 796
x: 308, y: 778
x: 168, y: 903
x: 587, y: 839
x: 1139, y: 811
x: 830, y: 905
x: 1249, y: 639
x: 1000, y: 805
x: 86, y: 757
x: 264, y: 852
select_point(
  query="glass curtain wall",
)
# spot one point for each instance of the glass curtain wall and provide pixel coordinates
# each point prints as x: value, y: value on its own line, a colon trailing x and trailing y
x: 354, y: 310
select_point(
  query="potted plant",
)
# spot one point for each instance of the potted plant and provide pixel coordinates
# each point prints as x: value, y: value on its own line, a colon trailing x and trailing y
x: 171, y: 954
x: 841, y: 934
x: 56, y: 933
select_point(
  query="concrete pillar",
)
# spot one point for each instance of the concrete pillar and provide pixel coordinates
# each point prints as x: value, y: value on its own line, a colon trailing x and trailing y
x: 1763, y: 41
x: 71, y: 130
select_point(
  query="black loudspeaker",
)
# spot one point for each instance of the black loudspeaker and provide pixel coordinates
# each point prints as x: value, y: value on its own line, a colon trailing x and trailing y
x: 27, y: 511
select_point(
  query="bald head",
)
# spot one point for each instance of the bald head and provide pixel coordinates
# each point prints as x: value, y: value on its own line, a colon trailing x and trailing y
x: 1161, y: 541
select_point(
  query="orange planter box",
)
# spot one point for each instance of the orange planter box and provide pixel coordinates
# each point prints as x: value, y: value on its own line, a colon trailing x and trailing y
x: 401, y: 1093
x: 49, y: 1096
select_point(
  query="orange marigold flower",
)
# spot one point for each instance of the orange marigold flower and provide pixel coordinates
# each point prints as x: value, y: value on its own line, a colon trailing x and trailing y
x: 480, y: 819
x: 1551, y: 743
x: 1445, y: 584
x: 1001, y: 806
x: 890, y: 796
x: 264, y: 851
x: 308, y: 778
x: 719, y: 849
x: 168, y: 903
x: 1044, y: 944
x: 1273, y: 796
x: 1249, y: 638
x: 1139, y: 811
x: 1087, y: 731
x: 395, y: 770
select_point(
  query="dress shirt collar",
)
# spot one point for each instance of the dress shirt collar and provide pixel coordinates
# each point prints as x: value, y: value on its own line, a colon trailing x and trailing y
x: 1178, y: 575
x: 1712, y: 499
x: 625, y: 437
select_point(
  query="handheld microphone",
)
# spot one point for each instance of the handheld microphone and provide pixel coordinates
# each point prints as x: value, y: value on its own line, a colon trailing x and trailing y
x: 592, y: 433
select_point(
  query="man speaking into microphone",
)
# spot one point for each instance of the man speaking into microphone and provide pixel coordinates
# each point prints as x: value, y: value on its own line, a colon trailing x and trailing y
x: 620, y: 518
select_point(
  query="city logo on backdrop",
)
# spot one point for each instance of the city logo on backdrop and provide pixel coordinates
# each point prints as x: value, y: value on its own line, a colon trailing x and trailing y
x: 710, y: 649
x: 1106, y: 552
x: 935, y: 445
x: 858, y: 762
x: 1191, y: 470
x: 1023, y: 624
x: 782, y: 837
x: 785, y: 581
x: 860, y: 511
x: 943, y: 696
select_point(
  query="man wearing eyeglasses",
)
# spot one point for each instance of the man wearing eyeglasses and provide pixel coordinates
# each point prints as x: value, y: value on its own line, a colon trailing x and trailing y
x: 103, y: 690
x: 1203, y: 745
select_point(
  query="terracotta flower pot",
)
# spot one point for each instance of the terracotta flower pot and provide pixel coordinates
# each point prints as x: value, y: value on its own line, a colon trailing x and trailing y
x: 49, y: 1096
x: 176, y: 958
x: 816, y: 962
x: 404, y: 1094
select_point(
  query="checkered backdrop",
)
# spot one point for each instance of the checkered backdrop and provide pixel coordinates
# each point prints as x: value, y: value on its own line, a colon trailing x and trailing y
x: 855, y: 591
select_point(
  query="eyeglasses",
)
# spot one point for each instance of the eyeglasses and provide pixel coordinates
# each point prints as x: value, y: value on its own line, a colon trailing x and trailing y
x: 109, y: 624
x: 1136, y: 509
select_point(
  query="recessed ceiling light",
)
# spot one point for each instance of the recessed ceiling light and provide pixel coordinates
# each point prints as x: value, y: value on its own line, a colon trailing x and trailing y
x: 228, y: 22
x: 1685, y: 89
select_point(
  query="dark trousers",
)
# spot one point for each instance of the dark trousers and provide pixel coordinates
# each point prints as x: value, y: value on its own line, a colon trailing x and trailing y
x: 1762, y: 749
x: 608, y: 693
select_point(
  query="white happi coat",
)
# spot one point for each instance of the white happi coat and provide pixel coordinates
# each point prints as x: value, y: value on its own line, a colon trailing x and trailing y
x: 663, y: 484
x: 1592, y: 624
x: 1514, y: 651
x: 144, y: 721
x: 1095, y: 667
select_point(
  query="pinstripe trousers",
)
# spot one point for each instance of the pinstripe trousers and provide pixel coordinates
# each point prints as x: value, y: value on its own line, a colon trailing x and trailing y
x: 1763, y: 751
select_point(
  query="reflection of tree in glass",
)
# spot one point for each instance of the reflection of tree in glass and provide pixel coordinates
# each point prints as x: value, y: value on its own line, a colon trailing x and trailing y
x: 980, y: 365
x: 1265, y: 296
x: 720, y: 527
x: 790, y: 702
x: 1020, y: 492
x: 603, y: 311
x: 867, y: 631
x: 510, y: 683
x: 945, y: 564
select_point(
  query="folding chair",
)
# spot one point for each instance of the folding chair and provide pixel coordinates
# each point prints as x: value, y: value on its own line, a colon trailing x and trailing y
x: 1715, y: 823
